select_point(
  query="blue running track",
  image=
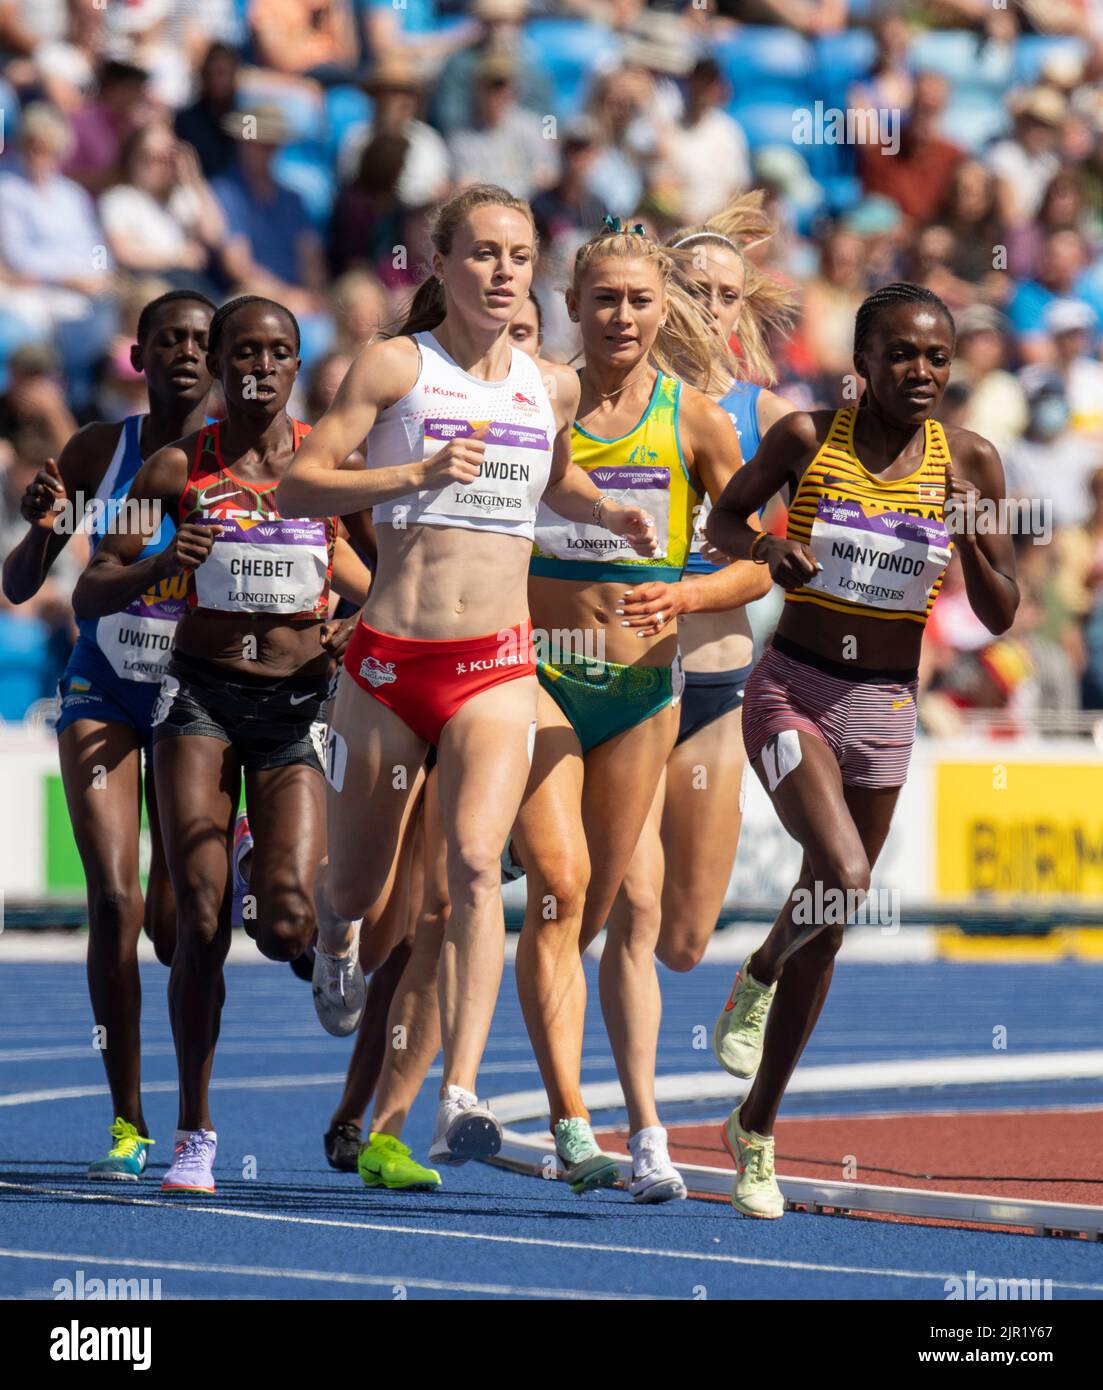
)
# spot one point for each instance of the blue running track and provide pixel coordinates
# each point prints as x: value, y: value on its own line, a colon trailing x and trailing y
x: 299, y: 1230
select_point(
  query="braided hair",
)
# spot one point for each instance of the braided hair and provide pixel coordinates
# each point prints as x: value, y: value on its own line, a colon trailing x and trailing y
x: 888, y: 297
x: 222, y: 314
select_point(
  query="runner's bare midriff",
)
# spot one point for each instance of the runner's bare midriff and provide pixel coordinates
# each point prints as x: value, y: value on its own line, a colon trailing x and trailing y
x: 441, y: 582
x: 253, y: 644
x: 579, y: 604
x: 875, y: 644
x: 715, y: 641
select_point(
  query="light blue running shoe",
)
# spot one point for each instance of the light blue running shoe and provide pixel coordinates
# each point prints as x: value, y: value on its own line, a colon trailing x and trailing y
x: 192, y: 1168
x: 585, y: 1166
x: 126, y: 1158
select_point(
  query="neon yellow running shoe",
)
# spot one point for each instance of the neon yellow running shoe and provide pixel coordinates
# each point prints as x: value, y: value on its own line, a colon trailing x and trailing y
x: 385, y: 1162
x: 756, y: 1192
x: 126, y: 1158
x: 739, y: 1032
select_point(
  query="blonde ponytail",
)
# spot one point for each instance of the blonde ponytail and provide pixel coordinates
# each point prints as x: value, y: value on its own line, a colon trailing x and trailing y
x: 769, y: 307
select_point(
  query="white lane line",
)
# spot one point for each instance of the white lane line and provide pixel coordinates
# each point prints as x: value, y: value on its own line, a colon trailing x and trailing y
x: 924, y: 1073
x: 321, y: 1276
x: 251, y: 1083
x: 592, y: 1247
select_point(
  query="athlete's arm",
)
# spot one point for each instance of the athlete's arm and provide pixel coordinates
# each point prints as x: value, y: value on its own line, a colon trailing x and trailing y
x: 115, y: 576
x: 327, y: 476
x: 710, y: 445
x: 51, y: 497
x: 570, y: 493
x: 351, y: 577
x: 781, y: 459
x: 769, y: 408
x: 988, y: 556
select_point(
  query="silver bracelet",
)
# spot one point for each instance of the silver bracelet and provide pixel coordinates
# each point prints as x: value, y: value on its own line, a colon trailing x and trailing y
x: 601, y: 501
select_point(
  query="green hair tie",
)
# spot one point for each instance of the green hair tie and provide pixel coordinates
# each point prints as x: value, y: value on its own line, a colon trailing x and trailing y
x: 614, y: 224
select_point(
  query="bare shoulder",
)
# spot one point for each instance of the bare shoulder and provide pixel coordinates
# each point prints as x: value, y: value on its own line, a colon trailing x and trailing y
x: 562, y: 385
x: 383, y: 372
x: 971, y: 451
x: 85, y: 457
x: 699, y: 408
x: 166, y: 472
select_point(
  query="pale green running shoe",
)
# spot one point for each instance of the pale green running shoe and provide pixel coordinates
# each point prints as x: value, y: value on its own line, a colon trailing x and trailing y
x: 587, y: 1167
x: 126, y: 1159
x: 385, y: 1161
x: 738, y: 1033
x: 756, y: 1192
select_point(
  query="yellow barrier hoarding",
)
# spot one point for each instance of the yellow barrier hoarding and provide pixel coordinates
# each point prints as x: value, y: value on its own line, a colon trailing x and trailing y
x: 1019, y: 829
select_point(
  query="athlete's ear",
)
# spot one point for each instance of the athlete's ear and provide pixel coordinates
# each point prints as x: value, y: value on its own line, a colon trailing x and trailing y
x: 572, y: 305
x: 136, y: 358
x: 860, y: 365
x: 212, y: 366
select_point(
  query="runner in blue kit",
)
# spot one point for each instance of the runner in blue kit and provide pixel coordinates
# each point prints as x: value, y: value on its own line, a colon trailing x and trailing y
x: 109, y: 689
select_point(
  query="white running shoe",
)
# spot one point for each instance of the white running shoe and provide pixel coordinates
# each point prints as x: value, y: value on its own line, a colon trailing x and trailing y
x: 654, y: 1177
x: 465, y: 1129
x: 340, y: 991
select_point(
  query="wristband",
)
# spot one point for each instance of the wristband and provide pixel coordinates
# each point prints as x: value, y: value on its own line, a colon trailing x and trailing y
x: 762, y: 535
x: 601, y: 501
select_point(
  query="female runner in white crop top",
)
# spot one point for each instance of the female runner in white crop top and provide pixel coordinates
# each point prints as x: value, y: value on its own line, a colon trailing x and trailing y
x: 463, y: 439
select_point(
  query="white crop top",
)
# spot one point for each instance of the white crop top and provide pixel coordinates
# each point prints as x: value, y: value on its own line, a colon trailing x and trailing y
x: 444, y: 403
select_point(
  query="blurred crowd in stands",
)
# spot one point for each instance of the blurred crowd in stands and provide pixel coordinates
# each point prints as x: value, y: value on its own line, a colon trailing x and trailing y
x: 292, y: 147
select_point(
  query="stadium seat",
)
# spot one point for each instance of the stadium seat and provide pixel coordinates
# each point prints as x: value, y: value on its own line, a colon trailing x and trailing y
x: 842, y: 193
x: 963, y: 60
x: 14, y: 332
x: 345, y: 107
x: 841, y: 60
x: 1033, y: 50
x: 972, y: 120
x: 777, y: 64
x: 308, y: 169
x: 772, y: 123
x: 571, y: 50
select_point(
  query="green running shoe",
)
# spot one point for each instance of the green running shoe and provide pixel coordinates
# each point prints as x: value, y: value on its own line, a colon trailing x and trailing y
x: 126, y: 1159
x: 756, y: 1192
x: 587, y: 1167
x: 385, y: 1162
x: 738, y: 1033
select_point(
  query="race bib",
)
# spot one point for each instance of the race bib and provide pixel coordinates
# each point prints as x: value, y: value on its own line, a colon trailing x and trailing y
x: 513, y: 477
x: 885, y: 560
x: 648, y: 488
x: 138, y: 641
x: 264, y: 565
x: 700, y: 516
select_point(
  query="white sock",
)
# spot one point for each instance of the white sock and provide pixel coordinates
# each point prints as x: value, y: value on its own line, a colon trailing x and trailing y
x: 634, y: 1140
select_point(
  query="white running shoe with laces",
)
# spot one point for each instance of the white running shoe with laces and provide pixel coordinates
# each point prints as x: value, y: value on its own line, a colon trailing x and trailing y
x: 465, y: 1129
x: 654, y: 1177
x: 340, y: 991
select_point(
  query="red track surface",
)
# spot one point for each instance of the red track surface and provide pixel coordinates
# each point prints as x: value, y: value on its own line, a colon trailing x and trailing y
x: 1050, y: 1156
